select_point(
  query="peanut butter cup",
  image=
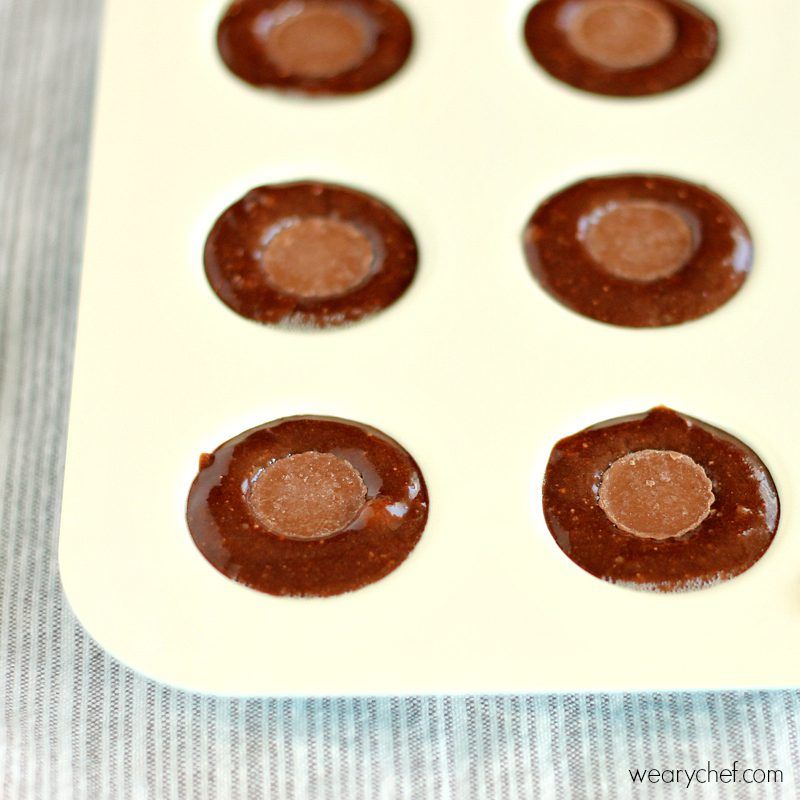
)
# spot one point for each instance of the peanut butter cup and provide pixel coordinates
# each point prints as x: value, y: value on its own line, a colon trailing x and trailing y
x: 656, y: 494
x: 311, y: 506
x: 621, y: 47
x: 309, y: 254
x: 659, y: 501
x: 638, y: 250
x: 308, y: 495
x: 315, y: 46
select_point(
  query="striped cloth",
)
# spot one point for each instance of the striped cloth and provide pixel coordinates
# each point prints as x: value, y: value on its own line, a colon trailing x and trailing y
x: 75, y: 724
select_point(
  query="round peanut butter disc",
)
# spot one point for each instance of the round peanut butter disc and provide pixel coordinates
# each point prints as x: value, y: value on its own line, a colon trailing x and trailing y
x: 318, y: 40
x: 622, y: 34
x: 307, y: 496
x: 318, y: 257
x: 656, y: 494
x: 639, y: 240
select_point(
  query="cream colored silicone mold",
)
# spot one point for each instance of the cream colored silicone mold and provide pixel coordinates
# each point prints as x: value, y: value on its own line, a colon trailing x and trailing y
x: 476, y: 370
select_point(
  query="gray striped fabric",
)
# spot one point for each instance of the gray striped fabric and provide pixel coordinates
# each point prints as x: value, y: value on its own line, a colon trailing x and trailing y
x: 75, y: 724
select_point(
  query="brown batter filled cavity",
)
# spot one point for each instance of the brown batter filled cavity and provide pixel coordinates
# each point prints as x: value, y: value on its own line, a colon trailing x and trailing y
x: 310, y: 255
x: 307, y: 506
x: 621, y: 47
x: 315, y: 46
x: 638, y: 250
x: 659, y: 501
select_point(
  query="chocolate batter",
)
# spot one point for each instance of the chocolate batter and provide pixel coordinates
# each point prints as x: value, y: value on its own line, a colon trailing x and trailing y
x: 309, y: 254
x: 315, y: 46
x: 621, y: 47
x: 659, y: 501
x: 311, y: 506
x: 638, y: 250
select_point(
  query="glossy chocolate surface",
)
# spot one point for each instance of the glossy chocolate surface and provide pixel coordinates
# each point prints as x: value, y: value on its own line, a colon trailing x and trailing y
x: 309, y: 254
x: 243, y: 533
x: 736, y: 532
x: 685, y: 254
x: 621, y: 47
x: 315, y: 47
